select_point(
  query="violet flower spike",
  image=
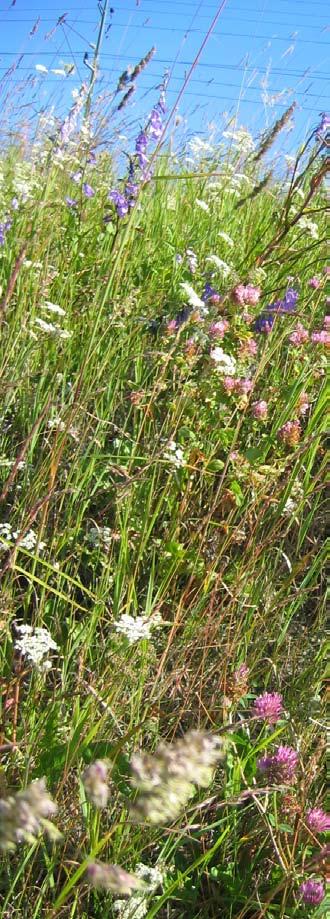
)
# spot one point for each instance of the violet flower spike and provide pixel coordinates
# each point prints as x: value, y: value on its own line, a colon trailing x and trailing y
x: 88, y: 190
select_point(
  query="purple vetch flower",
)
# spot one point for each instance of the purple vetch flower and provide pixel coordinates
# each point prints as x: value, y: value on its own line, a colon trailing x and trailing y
x: 131, y: 190
x: 280, y: 766
x: 287, y: 304
x: 70, y: 202
x: 88, y: 190
x: 155, y: 124
x: 4, y: 227
x: 317, y: 820
x: 324, y: 125
x: 314, y: 282
x: 311, y: 892
x: 211, y: 294
x: 76, y: 176
x: 268, y: 706
x: 120, y: 202
x: 15, y: 204
x: 91, y: 159
x: 264, y: 323
x: 260, y: 409
x: 141, y: 144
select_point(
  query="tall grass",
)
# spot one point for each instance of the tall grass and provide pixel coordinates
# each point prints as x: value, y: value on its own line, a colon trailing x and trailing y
x: 154, y: 490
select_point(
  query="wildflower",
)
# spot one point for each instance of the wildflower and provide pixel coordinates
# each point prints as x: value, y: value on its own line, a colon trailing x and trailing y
x: 268, y: 707
x: 76, y: 176
x: 264, y: 323
x: 280, y: 766
x: 227, y: 239
x: 141, y: 144
x: 317, y: 820
x: 220, y: 265
x: 155, y: 124
x: 53, y: 308
x: 34, y: 644
x: 192, y: 261
x: 120, y: 202
x: 243, y: 386
x: 224, y: 362
x: 321, y: 338
x: 136, y: 628
x: 287, y: 304
x: 211, y: 294
x: 192, y: 297
x: 15, y: 204
x: 137, y: 906
x: 4, y: 227
x: 314, y: 282
x: 95, y: 782
x: 190, y: 347
x: 303, y: 403
x: 246, y: 294
x: 311, y: 892
x: 112, y: 877
x: 229, y: 384
x: 71, y: 202
x: 290, y: 433
x: 202, y: 204
x: 260, y: 409
x: 166, y: 781
x: 100, y: 537
x: 238, y: 682
x: 326, y: 322
x: 299, y: 336
x: 218, y: 329
x: 88, y: 190
x: 248, y: 348
x: 24, y: 815
x: 324, y: 125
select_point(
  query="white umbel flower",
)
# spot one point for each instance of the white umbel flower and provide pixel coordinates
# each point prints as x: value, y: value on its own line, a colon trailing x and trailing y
x: 224, y: 362
x: 34, y: 644
x: 220, y: 265
x: 136, y: 628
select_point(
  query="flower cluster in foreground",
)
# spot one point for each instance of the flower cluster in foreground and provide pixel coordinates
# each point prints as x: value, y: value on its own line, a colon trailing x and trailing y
x: 24, y: 815
x: 280, y: 766
x: 166, y: 780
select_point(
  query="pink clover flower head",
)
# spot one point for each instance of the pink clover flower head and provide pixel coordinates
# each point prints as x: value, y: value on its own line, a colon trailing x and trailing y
x: 326, y: 321
x: 218, y: 329
x: 260, y: 409
x: 299, y: 336
x: 314, y: 282
x: 252, y: 295
x: 229, y: 384
x: 317, y: 820
x: 246, y: 294
x: 290, y: 433
x: 243, y: 386
x: 303, y: 403
x: 311, y: 892
x: 280, y: 766
x: 172, y: 325
x: 321, y: 338
x: 248, y: 348
x: 268, y: 707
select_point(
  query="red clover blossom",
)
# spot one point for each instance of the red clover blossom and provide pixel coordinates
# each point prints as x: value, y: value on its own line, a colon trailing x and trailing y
x: 268, y: 707
x: 311, y: 892
x: 317, y: 820
x: 280, y: 766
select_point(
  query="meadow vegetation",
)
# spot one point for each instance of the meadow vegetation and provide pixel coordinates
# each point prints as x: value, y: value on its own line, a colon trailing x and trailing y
x: 162, y: 517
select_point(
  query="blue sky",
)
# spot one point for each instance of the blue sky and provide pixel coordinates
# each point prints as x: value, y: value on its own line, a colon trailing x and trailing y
x: 261, y: 55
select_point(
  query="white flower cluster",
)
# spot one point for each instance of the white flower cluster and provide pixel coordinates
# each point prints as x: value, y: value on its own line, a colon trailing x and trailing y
x: 224, y: 362
x: 241, y: 140
x: 52, y: 329
x: 57, y: 424
x: 175, y: 455
x: 137, y: 906
x: 53, y: 308
x: 193, y: 298
x: 137, y: 628
x: 28, y: 542
x: 222, y: 266
x: 35, y: 644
